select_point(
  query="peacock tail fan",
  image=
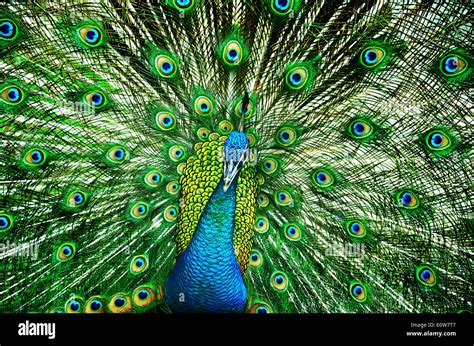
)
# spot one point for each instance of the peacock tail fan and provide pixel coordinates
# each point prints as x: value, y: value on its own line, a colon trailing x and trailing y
x: 351, y: 191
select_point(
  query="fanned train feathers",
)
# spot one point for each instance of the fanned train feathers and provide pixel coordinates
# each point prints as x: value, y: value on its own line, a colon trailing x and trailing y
x: 359, y: 120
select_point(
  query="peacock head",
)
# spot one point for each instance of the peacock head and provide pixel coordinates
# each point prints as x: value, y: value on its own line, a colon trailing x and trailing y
x: 236, y: 152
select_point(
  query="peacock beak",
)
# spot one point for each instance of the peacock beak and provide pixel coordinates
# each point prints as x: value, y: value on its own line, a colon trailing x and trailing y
x: 233, y: 162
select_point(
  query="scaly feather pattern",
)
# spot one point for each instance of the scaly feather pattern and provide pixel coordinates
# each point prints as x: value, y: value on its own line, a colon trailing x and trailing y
x: 124, y: 171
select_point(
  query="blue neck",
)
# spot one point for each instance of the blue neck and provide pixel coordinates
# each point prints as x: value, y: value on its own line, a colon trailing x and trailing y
x: 207, y: 277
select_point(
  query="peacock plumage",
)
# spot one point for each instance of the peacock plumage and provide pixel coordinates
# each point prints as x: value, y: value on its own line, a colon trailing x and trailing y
x: 235, y: 156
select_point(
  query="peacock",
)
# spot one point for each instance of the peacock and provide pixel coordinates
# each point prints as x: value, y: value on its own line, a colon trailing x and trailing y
x: 273, y: 156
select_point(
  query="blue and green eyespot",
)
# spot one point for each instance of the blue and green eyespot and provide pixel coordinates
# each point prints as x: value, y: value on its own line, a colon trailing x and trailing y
x: 283, y: 7
x: 11, y: 95
x: 96, y: 99
x: 283, y: 198
x: 371, y: 57
x: 65, y: 252
x: 439, y: 142
x: 143, y: 296
x: 171, y: 213
x: 119, y: 303
x: 286, y: 136
x: 261, y: 224
x: 233, y: 51
x: 292, y: 232
x: 270, y: 165
x: 248, y: 113
x: 166, y: 66
x: 407, y: 199
x: 358, y: 291
x: 262, y: 200
x: 153, y: 178
x: 95, y: 305
x: 164, y: 120
x: 183, y: 5
x: 203, y: 105
x: 279, y: 281
x: 138, y: 211
x: 75, y: 199
x: 8, y: 29
x: 297, y: 77
x: 225, y: 127
x: 260, y: 308
x: 74, y: 305
x: 6, y: 222
x: 426, y: 276
x: 356, y: 228
x: 453, y: 65
x: 323, y: 179
x: 361, y: 129
x: 116, y: 155
x: 172, y: 187
x: 255, y: 258
x: 138, y: 264
x: 34, y: 157
x: 89, y: 35
x: 177, y: 153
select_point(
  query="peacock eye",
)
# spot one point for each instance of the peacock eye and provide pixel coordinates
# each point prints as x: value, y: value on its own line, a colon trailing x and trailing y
x: 165, y: 66
x: 292, y: 232
x: 184, y: 4
x: 260, y: 308
x: 323, y: 179
x: 171, y: 213
x: 34, y: 157
x: 282, y: 7
x: 165, y: 121
x: 176, y: 153
x: 453, y: 65
x: 279, y: 281
x: 95, y: 99
x: 372, y: 56
x: 74, y: 305
x: 297, y: 77
x: 232, y: 53
x: 203, y: 133
x: 6, y: 222
x: 286, y: 136
x: 261, y: 224
x: 172, y: 187
x: 117, y: 155
x: 66, y: 251
x: 143, y: 296
x: 358, y: 292
x: 139, y: 264
x: 283, y: 198
x: 255, y: 258
x: 407, y: 199
x: 75, y: 199
x: 153, y: 178
x: 262, y: 200
x: 437, y: 140
x: 90, y: 35
x: 238, y: 111
x: 356, y: 229
x: 225, y: 127
x: 203, y: 105
x: 270, y: 166
x: 426, y: 275
x: 8, y: 29
x: 95, y: 304
x: 360, y: 129
x: 12, y: 95
x: 139, y: 210
x: 119, y: 303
